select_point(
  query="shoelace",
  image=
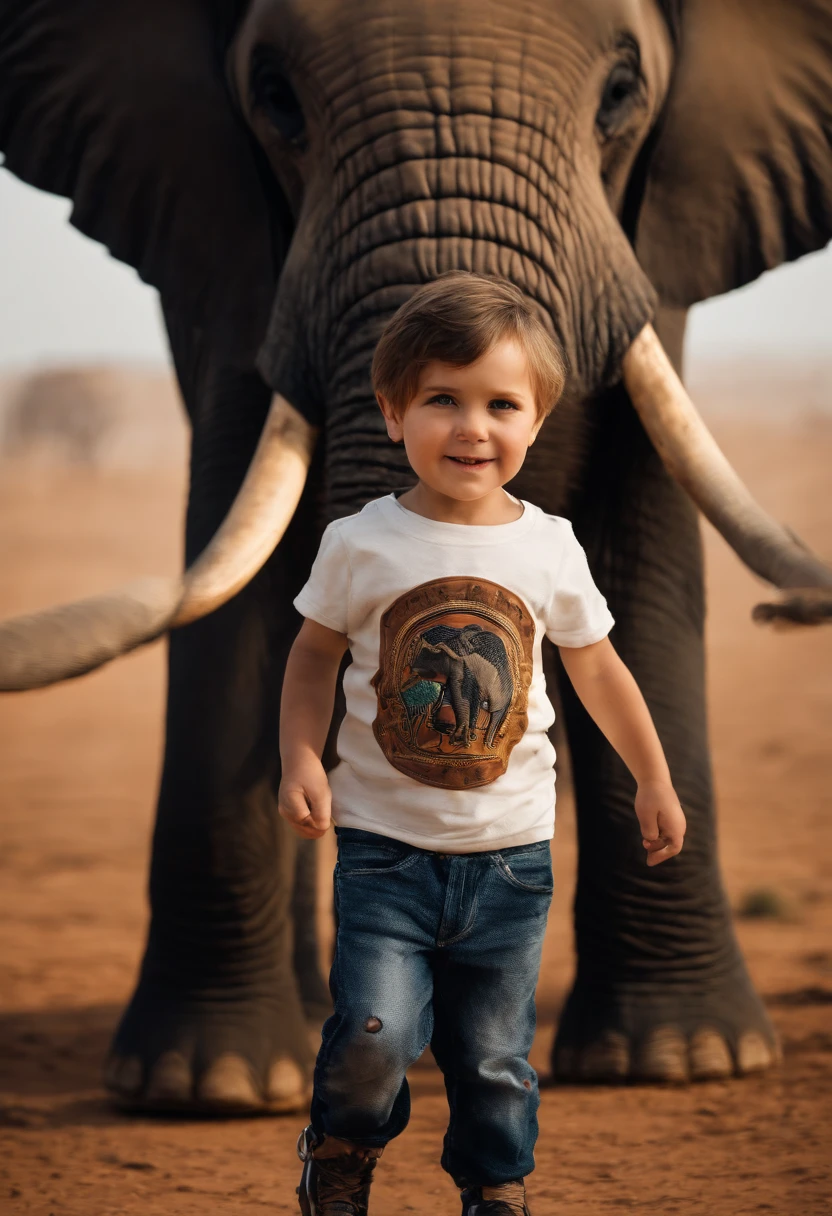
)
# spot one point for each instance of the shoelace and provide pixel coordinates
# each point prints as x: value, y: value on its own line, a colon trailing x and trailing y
x: 502, y: 1200
x: 343, y: 1184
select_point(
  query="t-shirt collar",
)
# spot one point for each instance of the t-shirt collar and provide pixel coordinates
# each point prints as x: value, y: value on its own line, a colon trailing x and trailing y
x: 441, y: 533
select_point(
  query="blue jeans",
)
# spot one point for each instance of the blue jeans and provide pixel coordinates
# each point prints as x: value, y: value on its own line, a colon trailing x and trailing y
x: 441, y: 949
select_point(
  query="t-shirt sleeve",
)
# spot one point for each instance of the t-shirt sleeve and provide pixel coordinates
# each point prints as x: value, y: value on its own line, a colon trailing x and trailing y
x: 325, y: 595
x: 577, y: 613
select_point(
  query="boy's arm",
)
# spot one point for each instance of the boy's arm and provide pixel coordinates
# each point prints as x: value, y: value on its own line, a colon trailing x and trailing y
x: 613, y: 700
x: 304, y: 798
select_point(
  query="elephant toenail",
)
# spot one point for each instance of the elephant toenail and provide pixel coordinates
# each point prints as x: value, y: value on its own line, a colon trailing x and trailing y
x: 373, y: 1025
x: 228, y: 1083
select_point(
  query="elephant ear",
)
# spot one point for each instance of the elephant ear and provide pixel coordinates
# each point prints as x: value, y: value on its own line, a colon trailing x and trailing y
x: 740, y: 175
x: 123, y: 107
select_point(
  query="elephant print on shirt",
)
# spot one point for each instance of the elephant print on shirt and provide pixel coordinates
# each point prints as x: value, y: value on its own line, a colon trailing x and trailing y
x: 455, y: 665
x: 475, y: 665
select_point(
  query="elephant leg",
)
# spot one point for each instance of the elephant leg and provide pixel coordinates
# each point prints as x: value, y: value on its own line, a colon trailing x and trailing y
x: 217, y: 1023
x: 495, y: 722
x: 474, y: 705
x: 661, y: 990
x: 461, y: 710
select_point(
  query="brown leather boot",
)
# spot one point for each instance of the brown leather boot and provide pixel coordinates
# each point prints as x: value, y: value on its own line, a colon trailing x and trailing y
x: 508, y: 1199
x: 336, y: 1176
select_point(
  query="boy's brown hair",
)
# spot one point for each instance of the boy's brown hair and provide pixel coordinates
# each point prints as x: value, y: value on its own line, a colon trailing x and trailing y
x: 456, y: 319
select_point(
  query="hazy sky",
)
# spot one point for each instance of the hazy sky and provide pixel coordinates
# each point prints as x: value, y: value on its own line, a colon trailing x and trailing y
x: 64, y: 299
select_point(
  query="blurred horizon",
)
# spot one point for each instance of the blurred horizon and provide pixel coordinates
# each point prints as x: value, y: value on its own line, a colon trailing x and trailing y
x: 64, y: 302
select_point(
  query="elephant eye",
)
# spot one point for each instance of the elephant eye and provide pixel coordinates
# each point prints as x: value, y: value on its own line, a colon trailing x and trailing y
x: 621, y: 92
x: 272, y: 93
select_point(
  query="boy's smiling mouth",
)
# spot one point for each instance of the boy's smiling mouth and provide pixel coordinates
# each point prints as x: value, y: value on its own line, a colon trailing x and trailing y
x: 471, y: 461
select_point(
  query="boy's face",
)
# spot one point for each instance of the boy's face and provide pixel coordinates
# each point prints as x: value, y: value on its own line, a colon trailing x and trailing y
x: 467, y: 430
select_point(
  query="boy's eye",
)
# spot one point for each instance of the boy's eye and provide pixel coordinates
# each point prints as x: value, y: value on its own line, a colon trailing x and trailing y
x: 498, y: 403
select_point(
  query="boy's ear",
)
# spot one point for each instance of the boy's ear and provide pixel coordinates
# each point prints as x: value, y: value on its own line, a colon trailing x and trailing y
x: 394, y: 426
x: 536, y: 430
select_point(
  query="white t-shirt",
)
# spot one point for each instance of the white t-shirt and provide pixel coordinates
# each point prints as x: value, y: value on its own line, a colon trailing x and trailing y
x: 444, y: 744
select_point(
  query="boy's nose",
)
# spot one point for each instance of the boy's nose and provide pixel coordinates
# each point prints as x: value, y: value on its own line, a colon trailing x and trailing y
x: 472, y: 425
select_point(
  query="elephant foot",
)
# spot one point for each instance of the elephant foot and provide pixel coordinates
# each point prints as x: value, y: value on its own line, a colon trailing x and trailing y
x: 675, y: 1034
x: 233, y: 1054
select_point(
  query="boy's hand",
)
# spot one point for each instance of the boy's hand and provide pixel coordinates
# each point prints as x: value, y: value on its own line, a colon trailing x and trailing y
x: 662, y: 820
x: 305, y: 800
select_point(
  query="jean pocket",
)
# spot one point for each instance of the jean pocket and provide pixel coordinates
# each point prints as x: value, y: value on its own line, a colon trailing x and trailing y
x: 371, y: 857
x: 530, y: 871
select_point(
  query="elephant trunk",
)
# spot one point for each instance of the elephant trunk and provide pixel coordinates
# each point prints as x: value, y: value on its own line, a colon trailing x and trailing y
x: 70, y: 640
x: 428, y: 193
x: 691, y: 455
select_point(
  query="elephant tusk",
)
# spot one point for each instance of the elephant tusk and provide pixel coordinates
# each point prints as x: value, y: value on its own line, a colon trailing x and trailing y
x: 258, y: 518
x: 72, y: 639
x: 691, y: 455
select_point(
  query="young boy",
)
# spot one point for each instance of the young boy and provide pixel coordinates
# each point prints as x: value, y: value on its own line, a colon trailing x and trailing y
x: 444, y: 795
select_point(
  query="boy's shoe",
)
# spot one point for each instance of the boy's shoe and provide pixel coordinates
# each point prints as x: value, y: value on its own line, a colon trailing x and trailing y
x: 509, y: 1199
x: 336, y: 1177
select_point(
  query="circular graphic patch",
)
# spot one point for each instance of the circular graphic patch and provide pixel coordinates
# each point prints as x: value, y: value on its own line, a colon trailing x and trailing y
x: 455, y: 665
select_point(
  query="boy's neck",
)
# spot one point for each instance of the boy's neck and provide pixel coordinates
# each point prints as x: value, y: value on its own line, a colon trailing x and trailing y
x: 497, y: 507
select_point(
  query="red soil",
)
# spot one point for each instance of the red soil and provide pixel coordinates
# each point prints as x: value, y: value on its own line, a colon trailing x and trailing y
x: 78, y: 767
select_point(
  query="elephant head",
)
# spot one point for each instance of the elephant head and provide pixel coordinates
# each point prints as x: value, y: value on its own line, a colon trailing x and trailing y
x: 285, y: 173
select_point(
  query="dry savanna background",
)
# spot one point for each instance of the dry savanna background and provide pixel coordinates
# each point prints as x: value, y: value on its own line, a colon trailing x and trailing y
x: 92, y: 485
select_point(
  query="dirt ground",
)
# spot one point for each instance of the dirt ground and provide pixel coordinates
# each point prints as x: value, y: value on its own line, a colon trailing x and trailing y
x: 78, y: 768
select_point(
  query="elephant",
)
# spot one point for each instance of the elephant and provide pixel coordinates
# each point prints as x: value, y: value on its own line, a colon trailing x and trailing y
x: 286, y: 173
x: 475, y: 666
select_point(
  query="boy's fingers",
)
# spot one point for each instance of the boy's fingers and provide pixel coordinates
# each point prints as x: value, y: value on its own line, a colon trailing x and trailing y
x: 660, y: 850
x: 307, y: 832
x: 649, y: 827
x: 307, y: 828
x: 310, y: 828
x: 293, y: 806
x: 307, y: 822
x: 320, y: 807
